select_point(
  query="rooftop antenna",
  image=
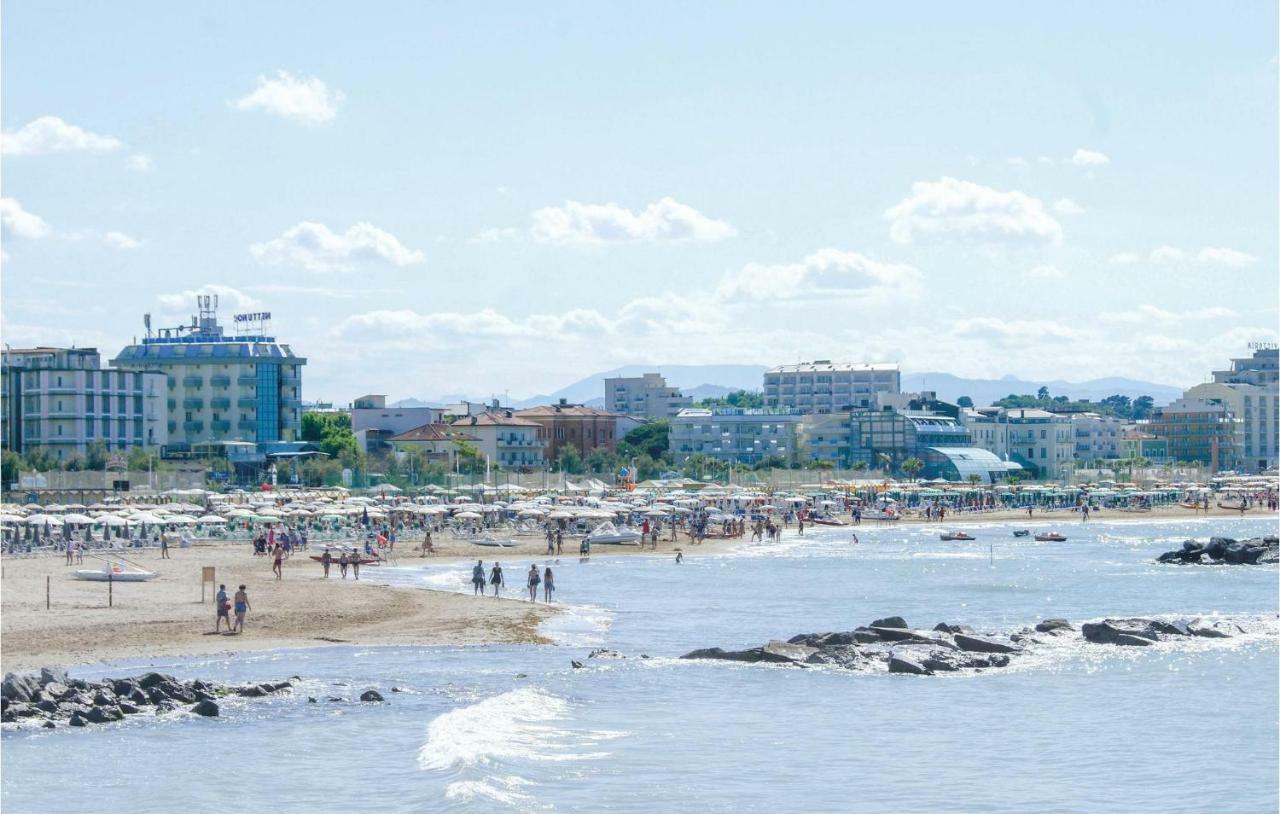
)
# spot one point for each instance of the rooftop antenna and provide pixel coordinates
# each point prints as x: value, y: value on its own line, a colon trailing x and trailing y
x: 146, y: 321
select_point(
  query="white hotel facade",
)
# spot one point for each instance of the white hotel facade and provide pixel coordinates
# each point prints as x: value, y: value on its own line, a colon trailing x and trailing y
x: 826, y: 387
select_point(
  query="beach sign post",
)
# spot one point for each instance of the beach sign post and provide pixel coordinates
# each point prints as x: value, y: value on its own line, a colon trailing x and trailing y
x: 206, y: 576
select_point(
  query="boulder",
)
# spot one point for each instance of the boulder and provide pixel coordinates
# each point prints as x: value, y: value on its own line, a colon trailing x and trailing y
x: 902, y: 664
x: 129, y: 709
x: 1125, y: 640
x: 1207, y: 631
x: 1106, y: 631
x: 47, y: 704
x: 577, y: 665
x: 943, y: 627
x: 898, y: 634
x: 206, y: 708
x: 252, y: 691
x: 17, y: 688
x: 78, y: 720
x: 1053, y: 626
x: 980, y: 644
x: 102, y: 715
x: 371, y: 697
x: 783, y: 651
x: 864, y: 635
x: 847, y: 656
x: 138, y: 696
x: 50, y: 675
x: 102, y: 699
x: 124, y: 687
x: 1216, y: 548
x: 150, y: 680
x: 890, y: 621
x: 1176, y: 628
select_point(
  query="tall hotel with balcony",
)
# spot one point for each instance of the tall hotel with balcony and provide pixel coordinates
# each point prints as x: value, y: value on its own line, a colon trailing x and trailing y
x: 222, y: 387
x: 824, y: 387
x: 60, y: 400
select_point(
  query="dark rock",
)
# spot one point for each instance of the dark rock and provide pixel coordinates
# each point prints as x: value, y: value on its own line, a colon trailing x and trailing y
x: 281, y: 685
x: 124, y: 688
x: 207, y: 708
x: 865, y: 635
x: 150, y: 680
x: 371, y: 697
x: 841, y: 655
x: 335, y: 699
x: 890, y: 621
x: 311, y: 699
x: 165, y: 705
x: 1106, y: 631
x: 979, y: 644
x: 897, y: 634
x: 1125, y: 640
x: 1053, y: 625
x: 577, y: 665
x: 1207, y: 631
x: 47, y: 704
x: 49, y: 725
x: 17, y: 688
x: 138, y: 696
x: 397, y: 689
x: 902, y: 664
x: 1216, y: 548
x: 101, y: 699
x: 50, y: 675
x: 252, y: 691
x: 201, y: 695
x: 783, y: 651
x: 129, y: 709
x: 102, y: 715
x: 78, y: 720
x: 1178, y: 628
x: 943, y: 627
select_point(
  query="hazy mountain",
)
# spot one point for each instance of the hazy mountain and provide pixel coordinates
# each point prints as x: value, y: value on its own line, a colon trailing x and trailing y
x: 709, y: 381
x: 985, y: 391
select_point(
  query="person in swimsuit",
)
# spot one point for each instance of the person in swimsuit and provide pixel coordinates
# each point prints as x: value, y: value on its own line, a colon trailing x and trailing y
x: 548, y: 585
x: 355, y: 565
x: 326, y: 559
x: 164, y: 547
x: 477, y: 578
x: 495, y: 577
x: 277, y: 561
x: 224, y: 609
x: 241, y: 607
x: 534, y: 579
x: 343, y: 562
x: 679, y: 557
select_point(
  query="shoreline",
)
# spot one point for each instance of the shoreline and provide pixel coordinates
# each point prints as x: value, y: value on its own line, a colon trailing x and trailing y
x: 165, y: 618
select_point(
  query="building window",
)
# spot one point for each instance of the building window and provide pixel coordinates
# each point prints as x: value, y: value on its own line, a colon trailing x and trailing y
x: 88, y: 380
x: 88, y: 402
x: 121, y: 404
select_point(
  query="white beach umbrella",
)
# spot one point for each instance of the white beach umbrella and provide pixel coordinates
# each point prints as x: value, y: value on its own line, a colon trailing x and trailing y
x: 210, y: 518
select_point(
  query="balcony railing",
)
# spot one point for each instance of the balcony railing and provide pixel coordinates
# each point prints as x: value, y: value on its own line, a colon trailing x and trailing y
x: 220, y: 403
x: 193, y: 404
x: 193, y: 426
x: 220, y: 426
x: 246, y: 381
x: 219, y: 381
x: 193, y: 381
x: 247, y: 401
x: 247, y: 425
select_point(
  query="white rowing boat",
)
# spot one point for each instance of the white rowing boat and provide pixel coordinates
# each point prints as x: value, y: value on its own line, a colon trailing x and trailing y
x: 490, y: 541
x: 608, y: 534
x: 115, y: 572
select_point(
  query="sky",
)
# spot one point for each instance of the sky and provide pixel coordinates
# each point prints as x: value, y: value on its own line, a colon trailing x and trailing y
x: 490, y: 198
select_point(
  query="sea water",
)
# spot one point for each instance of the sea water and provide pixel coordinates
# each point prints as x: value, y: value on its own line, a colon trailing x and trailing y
x: 1189, y: 726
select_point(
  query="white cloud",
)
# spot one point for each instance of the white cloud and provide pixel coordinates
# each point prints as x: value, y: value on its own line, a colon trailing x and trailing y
x: 1147, y: 313
x: 183, y: 303
x: 406, y: 328
x: 1003, y: 331
x: 1089, y: 158
x: 951, y: 209
x: 667, y: 220
x: 314, y: 247
x: 1123, y: 259
x: 1066, y: 206
x: 299, y: 99
x: 825, y: 273
x: 497, y: 235
x: 1166, y: 254
x: 1222, y: 256
x: 139, y: 162
x: 119, y: 240
x: 50, y: 134
x: 1045, y: 273
x: 18, y: 222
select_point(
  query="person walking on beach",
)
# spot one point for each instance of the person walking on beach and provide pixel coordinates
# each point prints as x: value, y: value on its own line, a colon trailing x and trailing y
x: 343, y: 562
x: 277, y: 562
x: 495, y: 577
x: 326, y: 560
x: 241, y: 606
x: 71, y: 551
x: 355, y: 565
x: 548, y: 585
x: 477, y: 578
x: 801, y: 525
x: 224, y: 609
x: 559, y: 542
x: 551, y: 544
x: 534, y: 579
x: 164, y: 547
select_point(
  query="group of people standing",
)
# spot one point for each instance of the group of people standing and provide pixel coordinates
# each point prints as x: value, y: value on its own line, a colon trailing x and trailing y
x: 497, y: 579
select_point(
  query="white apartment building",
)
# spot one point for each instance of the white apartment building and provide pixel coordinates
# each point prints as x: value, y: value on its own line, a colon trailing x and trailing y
x: 647, y: 396
x: 1041, y: 441
x: 374, y: 424
x: 825, y: 387
x: 241, y: 387
x: 1251, y: 391
x: 735, y: 434
x: 61, y: 400
x: 1096, y: 437
x: 504, y: 438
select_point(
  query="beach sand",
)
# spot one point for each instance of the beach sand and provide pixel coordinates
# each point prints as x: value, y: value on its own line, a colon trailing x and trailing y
x: 165, y: 617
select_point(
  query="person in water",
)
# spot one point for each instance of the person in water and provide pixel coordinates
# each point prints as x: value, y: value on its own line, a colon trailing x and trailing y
x: 477, y: 578
x: 495, y: 577
x: 241, y: 607
x: 548, y: 585
x: 679, y: 557
x: 534, y: 579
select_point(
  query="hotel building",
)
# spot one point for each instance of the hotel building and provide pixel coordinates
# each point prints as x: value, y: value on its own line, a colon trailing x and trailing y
x: 824, y: 387
x: 646, y: 396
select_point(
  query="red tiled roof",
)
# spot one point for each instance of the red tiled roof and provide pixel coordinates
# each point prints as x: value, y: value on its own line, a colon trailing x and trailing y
x: 433, y: 432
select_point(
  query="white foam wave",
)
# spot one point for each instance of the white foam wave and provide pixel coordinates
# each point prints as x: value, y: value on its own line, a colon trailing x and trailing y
x: 520, y: 725
x: 578, y: 626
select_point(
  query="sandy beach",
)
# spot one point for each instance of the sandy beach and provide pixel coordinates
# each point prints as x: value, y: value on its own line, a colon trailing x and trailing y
x: 165, y: 617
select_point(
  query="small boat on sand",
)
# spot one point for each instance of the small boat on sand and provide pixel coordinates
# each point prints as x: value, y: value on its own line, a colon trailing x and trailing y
x: 1050, y: 537
x: 956, y: 535
x: 490, y: 541
x: 361, y: 559
x: 827, y: 521
x: 114, y: 572
x: 608, y: 534
x: 1021, y: 532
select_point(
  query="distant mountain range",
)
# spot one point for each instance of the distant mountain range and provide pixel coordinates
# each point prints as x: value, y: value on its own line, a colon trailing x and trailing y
x: 710, y: 381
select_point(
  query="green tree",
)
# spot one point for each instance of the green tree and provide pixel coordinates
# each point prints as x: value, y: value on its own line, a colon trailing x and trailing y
x: 12, y: 465
x: 569, y: 460
x: 140, y: 459
x: 747, y: 399
x: 41, y: 460
x: 1043, y: 394
x: 859, y: 466
x: 964, y: 401
x: 912, y: 466
x: 652, y: 438
x: 95, y: 456
x: 822, y: 464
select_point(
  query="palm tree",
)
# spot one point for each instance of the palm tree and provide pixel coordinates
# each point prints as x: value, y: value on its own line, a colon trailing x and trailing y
x: 912, y: 466
x: 886, y: 462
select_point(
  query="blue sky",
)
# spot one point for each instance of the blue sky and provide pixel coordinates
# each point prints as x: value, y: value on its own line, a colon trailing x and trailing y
x: 483, y: 198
